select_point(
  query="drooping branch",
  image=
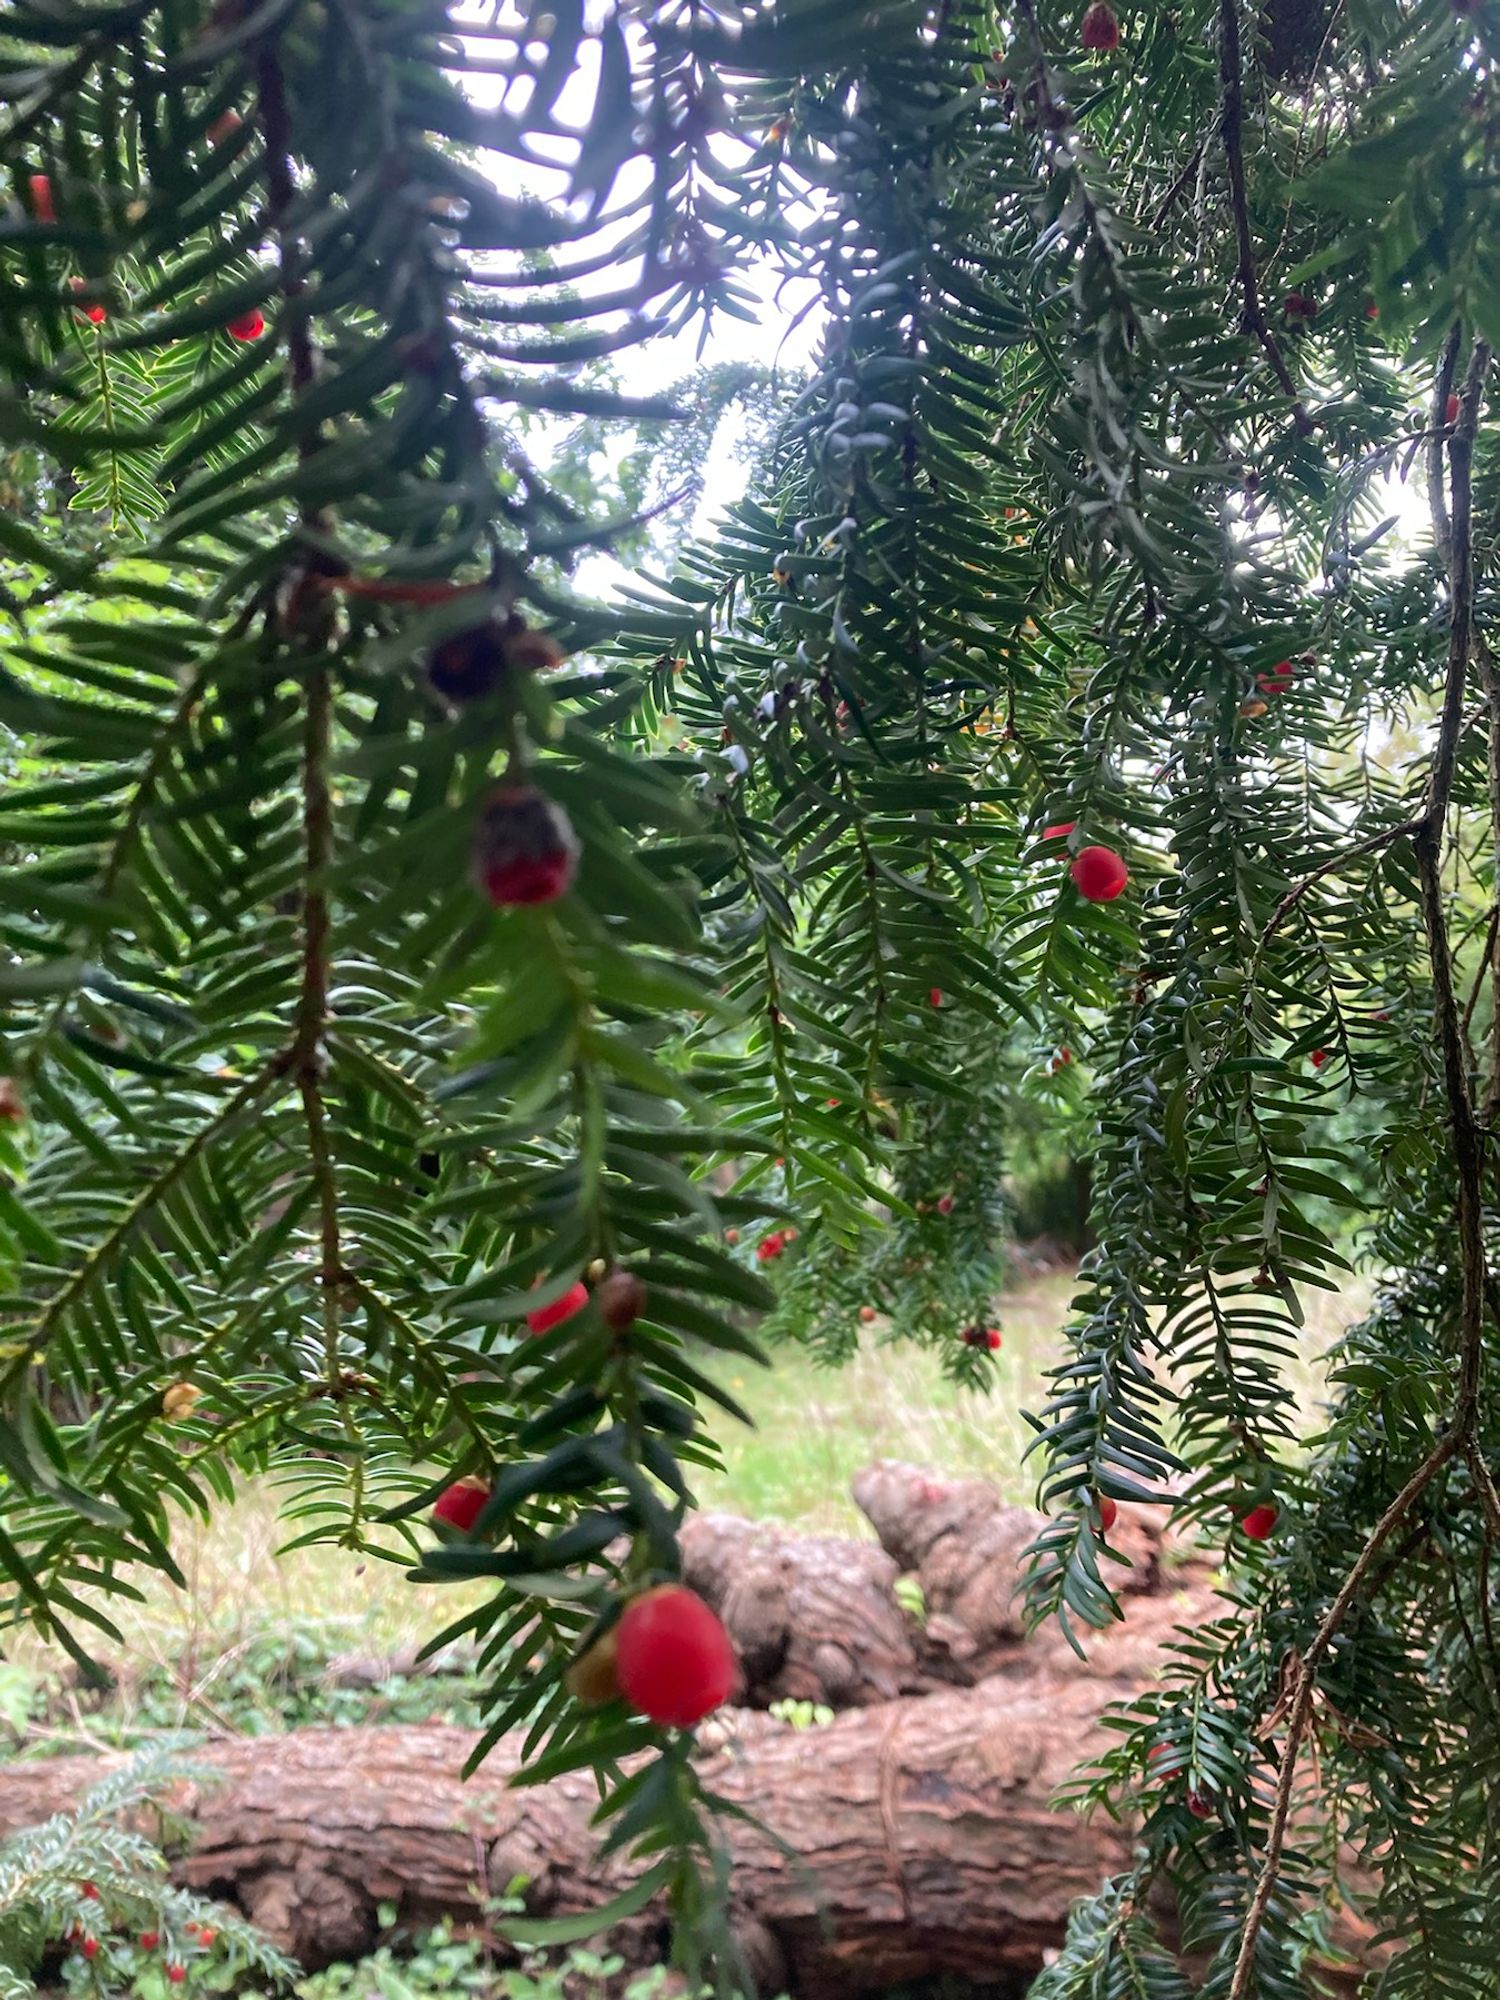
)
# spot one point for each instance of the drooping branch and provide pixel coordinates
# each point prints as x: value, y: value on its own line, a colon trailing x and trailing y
x: 1232, y: 127
x: 1453, y: 529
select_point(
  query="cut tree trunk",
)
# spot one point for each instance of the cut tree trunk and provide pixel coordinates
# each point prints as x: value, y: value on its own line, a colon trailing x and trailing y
x: 922, y: 1831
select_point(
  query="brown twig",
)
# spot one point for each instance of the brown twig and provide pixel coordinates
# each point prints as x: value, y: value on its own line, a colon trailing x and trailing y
x: 1467, y: 1136
x: 1232, y: 126
x: 1174, y: 193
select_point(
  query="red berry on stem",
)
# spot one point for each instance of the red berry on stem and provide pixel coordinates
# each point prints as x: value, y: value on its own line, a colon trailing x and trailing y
x: 206, y: 1935
x: 1279, y: 680
x: 177, y: 1973
x: 1450, y: 410
x: 90, y: 1947
x: 224, y: 127
x: 1101, y: 30
x: 935, y: 995
x: 461, y: 1504
x: 544, y: 1318
x: 622, y: 1300
x: 868, y: 1315
x: 89, y: 1891
x: 1200, y: 1805
x: 467, y: 665
x: 1318, y: 1058
x: 1099, y: 874
x: 1061, y: 830
x: 945, y: 1204
x: 770, y: 1247
x: 149, y: 1940
x: 1372, y: 311
x: 1299, y: 308
x: 1109, y: 1513
x: 524, y: 850
x: 247, y: 326
x: 1260, y: 1523
x: 673, y: 1657
x: 42, y: 205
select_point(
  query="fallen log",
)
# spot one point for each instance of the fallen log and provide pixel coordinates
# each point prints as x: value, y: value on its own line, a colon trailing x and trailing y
x: 818, y: 1618
x: 922, y: 1827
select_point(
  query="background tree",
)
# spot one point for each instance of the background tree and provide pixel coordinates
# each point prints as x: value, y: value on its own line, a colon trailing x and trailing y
x: 1086, y: 531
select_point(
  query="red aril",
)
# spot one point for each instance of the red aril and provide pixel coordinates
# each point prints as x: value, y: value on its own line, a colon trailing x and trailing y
x: 1100, y: 31
x: 525, y: 851
x: 1450, y: 410
x: 461, y: 1504
x: 247, y: 325
x: 1109, y: 1512
x: 1099, y: 874
x: 673, y: 1657
x: 42, y: 205
x: 1260, y: 1523
x: 544, y: 1318
x: 1061, y: 830
x: 1278, y: 680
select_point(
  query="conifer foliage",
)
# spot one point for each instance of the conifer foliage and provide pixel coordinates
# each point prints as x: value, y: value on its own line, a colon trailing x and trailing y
x: 414, y: 973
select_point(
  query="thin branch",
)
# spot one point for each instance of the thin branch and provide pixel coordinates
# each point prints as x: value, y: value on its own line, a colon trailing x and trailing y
x: 308, y: 1055
x: 1232, y: 126
x: 1174, y: 193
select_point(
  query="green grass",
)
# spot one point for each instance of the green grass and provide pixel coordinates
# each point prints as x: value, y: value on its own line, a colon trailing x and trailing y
x: 816, y: 1427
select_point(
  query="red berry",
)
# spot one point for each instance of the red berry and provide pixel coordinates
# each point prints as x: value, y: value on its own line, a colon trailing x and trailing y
x: 935, y: 995
x: 622, y: 1300
x: 673, y: 1657
x: 461, y: 1504
x: 467, y: 665
x: 1300, y: 308
x: 945, y: 1204
x: 982, y: 1336
x: 206, y: 1935
x: 731, y: 1236
x: 1064, y: 1056
x: 90, y: 1947
x: 1159, y: 1754
x: 1380, y: 1014
x: 224, y: 127
x: 1109, y: 1513
x: 1372, y: 311
x: 1101, y: 30
x: 1278, y: 680
x: 1318, y: 1058
x: 770, y: 1247
x: 992, y: 1339
x: 95, y: 315
x: 1099, y: 874
x: 177, y: 1973
x: 150, y: 1940
x: 1450, y: 410
x: 248, y: 326
x: 1200, y: 1805
x: 42, y: 205
x: 1260, y: 1523
x: 1061, y: 830
x: 573, y: 1300
x: 89, y: 1891
x: 868, y: 1315
x: 524, y: 850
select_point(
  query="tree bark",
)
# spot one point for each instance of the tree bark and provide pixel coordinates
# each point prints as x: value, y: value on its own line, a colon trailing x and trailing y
x: 817, y: 1618
x: 923, y: 1833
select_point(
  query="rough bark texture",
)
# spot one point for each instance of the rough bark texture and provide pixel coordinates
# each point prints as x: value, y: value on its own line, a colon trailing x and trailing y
x: 922, y: 1828
x: 816, y: 1618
